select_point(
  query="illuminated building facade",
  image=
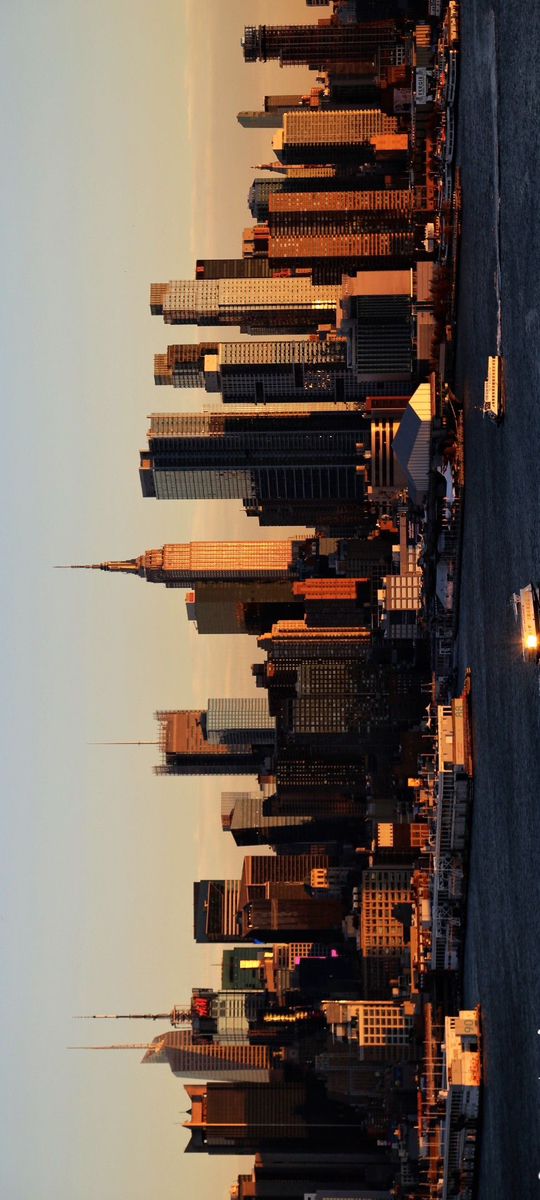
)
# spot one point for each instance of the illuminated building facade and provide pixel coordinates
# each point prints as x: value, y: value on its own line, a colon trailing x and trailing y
x: 318, y: 46
x: 265, y: 305
x: 181, y: 564
x: 382, y: 1030
x: 386, y: 897
x: 188, y: 749
x: 234, y: 1061
x: 263, y: 372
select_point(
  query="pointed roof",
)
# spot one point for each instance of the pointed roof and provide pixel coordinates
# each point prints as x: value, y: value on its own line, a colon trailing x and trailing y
x: 412, y: 442
x: 130, y: 565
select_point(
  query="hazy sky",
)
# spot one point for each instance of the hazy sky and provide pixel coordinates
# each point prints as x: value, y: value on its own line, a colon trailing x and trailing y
x: 122, y: 163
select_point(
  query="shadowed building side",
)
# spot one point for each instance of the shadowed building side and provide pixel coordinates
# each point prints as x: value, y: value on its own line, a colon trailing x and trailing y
x: 192, y: 746
x: 314, y: 455
x: 290, y: 1116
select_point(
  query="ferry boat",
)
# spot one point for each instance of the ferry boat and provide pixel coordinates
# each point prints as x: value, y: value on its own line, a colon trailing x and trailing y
x: 450, y: 136
x: 527, y: 612
x: 451, y: 77
x: 462, y: 1081
x: 494, y: 389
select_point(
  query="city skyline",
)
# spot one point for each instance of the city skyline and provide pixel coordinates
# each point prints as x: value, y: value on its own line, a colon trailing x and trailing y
x: 98, y: 205
x: 354, y: 894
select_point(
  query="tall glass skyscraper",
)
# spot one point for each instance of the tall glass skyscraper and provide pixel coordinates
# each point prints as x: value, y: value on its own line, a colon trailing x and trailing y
x: 316, y: 455
x: 239, y: 721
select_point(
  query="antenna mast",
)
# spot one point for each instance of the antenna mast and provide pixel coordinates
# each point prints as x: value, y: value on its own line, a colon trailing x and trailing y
x: 177, y: 1016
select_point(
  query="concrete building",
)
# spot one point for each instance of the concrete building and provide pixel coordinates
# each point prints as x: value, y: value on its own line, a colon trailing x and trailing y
x: 335, y: 136
x: 385, y: 904
x: 452, y: 804
x: 271, y: 902
x: 181, y: 564
x: 321, y: 45
x: 242, y: 968
x: 382, y: 1029
x: 231, y: 268
x: 376, y: 318
x: 235, y: 721
x: 402, y: 591
x: 265, y: 305
x: 263, y: 372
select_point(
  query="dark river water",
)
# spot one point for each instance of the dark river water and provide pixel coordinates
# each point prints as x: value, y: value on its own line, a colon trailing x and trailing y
x: 499, y: 299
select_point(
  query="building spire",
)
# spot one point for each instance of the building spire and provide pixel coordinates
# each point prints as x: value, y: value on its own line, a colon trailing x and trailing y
x: 132, y: 565
x: 117, y: 1046
x: 176, y: 1016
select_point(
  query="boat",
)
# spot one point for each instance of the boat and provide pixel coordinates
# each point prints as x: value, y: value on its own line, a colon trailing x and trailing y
x: 494, y: 389
x: 527, y: 611
x: 450, y: 136
x: 451, y: 78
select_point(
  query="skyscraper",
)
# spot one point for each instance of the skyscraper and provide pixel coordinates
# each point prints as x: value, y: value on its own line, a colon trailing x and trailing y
x: 222, y: 455
x: 231, y: 268
x: 386, y: 896
x: 243, y: 814
x: 262, y: 190
x: 291, y: 642
x: 296, y: 205
x: 334, y: 127
x: 184, y: 564
x: 292, y: 1177
x: 190, y: 748
x: 352, y: 244
x: 318, y: 46
x: 357, y: 88
x: 333, y: 136
x: 246, y: 587
x: 297, y: 184
x: 376, y: 315
x: 238, y: 1118
x: 284, y: 371
x: 337, y: 519
x: 354, y: 226
x: 276, y: 911
x: 256, y: 305
x: 238, y: 607
x: 235, y: 1061
x: 243, y: 969
x: 271, y: 901
x: 300, y: 172
x: 239, y: 721
x: 271, y: 115
x: 381, y: 153
x: 329, y: 706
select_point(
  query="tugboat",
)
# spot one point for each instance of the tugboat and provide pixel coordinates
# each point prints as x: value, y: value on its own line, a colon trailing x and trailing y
x: 494, y: 390
x: 527, y: 611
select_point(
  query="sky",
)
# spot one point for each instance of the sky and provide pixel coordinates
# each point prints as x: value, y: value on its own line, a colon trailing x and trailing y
x: 123, y: 162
